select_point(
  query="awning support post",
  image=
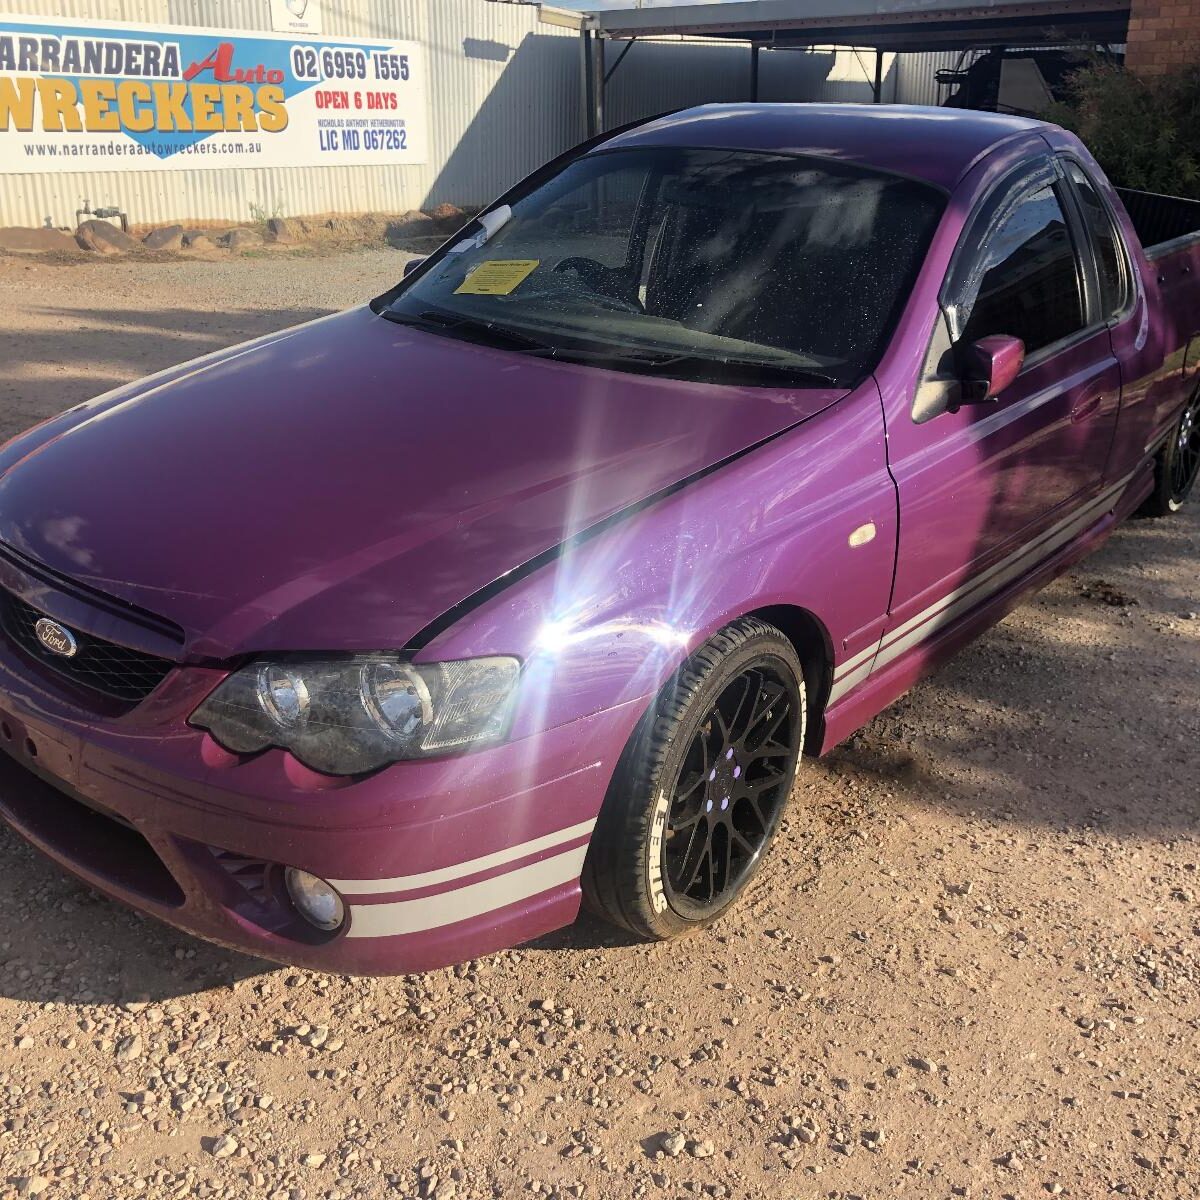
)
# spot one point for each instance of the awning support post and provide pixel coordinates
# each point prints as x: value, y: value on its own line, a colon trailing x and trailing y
x: 878, y: 88
x: 754, y: 49
x: 592, y: 50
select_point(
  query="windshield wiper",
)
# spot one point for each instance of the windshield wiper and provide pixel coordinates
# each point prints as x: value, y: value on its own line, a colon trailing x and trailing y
x: 700, y: 366
x: 489, y: 331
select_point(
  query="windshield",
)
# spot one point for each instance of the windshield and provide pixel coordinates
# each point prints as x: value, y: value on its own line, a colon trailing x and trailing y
x: 719, y: 264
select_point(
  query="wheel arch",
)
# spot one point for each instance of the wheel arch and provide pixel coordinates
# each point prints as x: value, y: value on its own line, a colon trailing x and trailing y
x: 814, y: 648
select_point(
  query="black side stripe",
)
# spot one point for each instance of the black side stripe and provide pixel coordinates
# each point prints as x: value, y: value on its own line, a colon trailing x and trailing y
x: 455, y: 614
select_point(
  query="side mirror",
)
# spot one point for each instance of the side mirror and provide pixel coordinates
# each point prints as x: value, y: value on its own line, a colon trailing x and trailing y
x: 410, y: 267
x: 991, y: 363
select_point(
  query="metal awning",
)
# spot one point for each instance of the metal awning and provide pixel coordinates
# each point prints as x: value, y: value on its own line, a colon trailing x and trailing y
x: 884, y: 26
x: 898, y: 25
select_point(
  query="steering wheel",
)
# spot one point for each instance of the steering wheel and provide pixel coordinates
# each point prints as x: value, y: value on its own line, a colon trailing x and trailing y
x: 596, y: 277
x: 588, y: 269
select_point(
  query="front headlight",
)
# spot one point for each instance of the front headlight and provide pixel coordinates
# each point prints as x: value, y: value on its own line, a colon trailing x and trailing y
x: 345, y: 716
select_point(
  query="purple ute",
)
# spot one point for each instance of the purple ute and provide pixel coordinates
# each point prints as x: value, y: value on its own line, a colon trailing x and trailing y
x: 375, y: 644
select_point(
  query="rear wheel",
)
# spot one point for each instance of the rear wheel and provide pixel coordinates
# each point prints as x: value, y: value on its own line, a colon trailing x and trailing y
x: 700, y: 792
x: 1178, y: 465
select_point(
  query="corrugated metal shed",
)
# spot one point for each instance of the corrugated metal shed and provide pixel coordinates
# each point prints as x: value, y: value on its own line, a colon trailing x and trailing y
x: 504, y: 96
x: 916, y: 74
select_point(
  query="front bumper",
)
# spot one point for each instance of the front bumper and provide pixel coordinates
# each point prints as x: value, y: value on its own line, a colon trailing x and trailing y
x: 437, y: 861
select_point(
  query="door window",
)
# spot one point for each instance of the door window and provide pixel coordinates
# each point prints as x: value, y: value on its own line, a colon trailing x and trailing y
x: 1028, y: 277
x: 1110, y: 261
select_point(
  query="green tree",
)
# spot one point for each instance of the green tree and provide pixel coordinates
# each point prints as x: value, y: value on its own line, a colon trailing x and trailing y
x: 1144, y: 131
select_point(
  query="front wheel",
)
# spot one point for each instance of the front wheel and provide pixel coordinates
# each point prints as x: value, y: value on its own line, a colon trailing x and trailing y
x: 701, y: 789
x: 1178, y: 465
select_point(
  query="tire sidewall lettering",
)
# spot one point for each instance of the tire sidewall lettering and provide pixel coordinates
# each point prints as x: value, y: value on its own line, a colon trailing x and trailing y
x: 654, y: 864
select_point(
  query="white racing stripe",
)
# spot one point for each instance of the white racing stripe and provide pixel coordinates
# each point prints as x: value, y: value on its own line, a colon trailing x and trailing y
x: 408, y: 883
x: 975, y: 591
x: 461, y: 904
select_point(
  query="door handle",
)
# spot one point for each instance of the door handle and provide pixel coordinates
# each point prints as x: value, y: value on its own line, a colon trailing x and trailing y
x: 1085, y: 408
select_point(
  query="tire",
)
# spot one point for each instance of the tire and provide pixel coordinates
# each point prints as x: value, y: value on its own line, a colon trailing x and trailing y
x: 700, y: 762
x: 1178, y: 464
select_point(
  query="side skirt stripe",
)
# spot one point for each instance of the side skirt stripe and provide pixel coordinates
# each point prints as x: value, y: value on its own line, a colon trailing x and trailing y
x: 1042, y: 545
x: 974, y: 591
x: 447, y: 908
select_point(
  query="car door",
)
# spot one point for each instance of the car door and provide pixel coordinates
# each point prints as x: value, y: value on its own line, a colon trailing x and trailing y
x: 988, y: 490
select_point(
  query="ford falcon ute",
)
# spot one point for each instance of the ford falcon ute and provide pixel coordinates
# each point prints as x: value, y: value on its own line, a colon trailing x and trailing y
x: 382, y: 642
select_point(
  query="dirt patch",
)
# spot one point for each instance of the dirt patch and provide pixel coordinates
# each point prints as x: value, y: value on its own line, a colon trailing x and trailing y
x: 16, y: 240
x: 326, y: 234
x: 970, y: 968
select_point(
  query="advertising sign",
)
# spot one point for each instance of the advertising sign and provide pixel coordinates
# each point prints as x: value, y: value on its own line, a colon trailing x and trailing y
x: 75, y: 95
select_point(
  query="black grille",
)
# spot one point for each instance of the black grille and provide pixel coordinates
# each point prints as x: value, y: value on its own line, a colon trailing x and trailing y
x: 104, y: 667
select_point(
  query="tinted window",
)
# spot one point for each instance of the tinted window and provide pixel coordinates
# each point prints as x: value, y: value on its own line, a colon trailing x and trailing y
x: 698, y: 262
x: 1109, y: 259
x: 1028, y: 282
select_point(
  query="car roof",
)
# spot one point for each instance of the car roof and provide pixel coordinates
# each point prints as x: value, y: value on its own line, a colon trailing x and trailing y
x: 934, y: 144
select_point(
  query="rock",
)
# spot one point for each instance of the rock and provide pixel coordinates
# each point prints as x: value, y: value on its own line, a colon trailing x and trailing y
x: 25, y: 1043
x: 672, y: 1144
x: 15, y: 240
x: 198, y: 241
x: 103, y: 238
x: 241, y: 239
x: 284, y: 232
x: 415, y: 221
x: 312, y: 1159
x: 702, y: 1149
x: 923, y: 1064
x: 224, y: 1147
x: 129, y: 1048
x: 170, y: 237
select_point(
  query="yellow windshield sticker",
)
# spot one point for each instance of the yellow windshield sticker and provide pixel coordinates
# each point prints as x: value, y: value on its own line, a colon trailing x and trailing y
x: 497, y: 276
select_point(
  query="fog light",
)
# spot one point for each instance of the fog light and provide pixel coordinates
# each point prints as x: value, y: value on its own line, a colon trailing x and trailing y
x: 314, y: 899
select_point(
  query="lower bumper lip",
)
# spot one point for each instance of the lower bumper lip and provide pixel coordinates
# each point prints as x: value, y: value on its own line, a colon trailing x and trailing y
x: 499, y: 866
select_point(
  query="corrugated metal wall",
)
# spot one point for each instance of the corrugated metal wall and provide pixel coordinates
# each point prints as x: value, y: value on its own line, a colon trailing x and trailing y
x: 916, y: 74
x: 504, y: 96
x: 659, y: 75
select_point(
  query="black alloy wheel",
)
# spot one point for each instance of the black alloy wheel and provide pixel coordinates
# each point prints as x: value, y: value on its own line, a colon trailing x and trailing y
x: 731, y: 790
x: 1178, y: 464
x: 1185, y: 462
x: 702, y: 785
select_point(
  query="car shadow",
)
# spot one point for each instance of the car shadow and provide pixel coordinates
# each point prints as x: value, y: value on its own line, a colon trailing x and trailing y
x: 65, y: 943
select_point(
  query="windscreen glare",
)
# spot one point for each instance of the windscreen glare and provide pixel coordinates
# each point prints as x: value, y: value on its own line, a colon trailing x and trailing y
x: 709, y: 263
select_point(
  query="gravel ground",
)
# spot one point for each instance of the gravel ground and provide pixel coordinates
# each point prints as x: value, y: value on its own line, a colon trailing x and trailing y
x: 971, y: 968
